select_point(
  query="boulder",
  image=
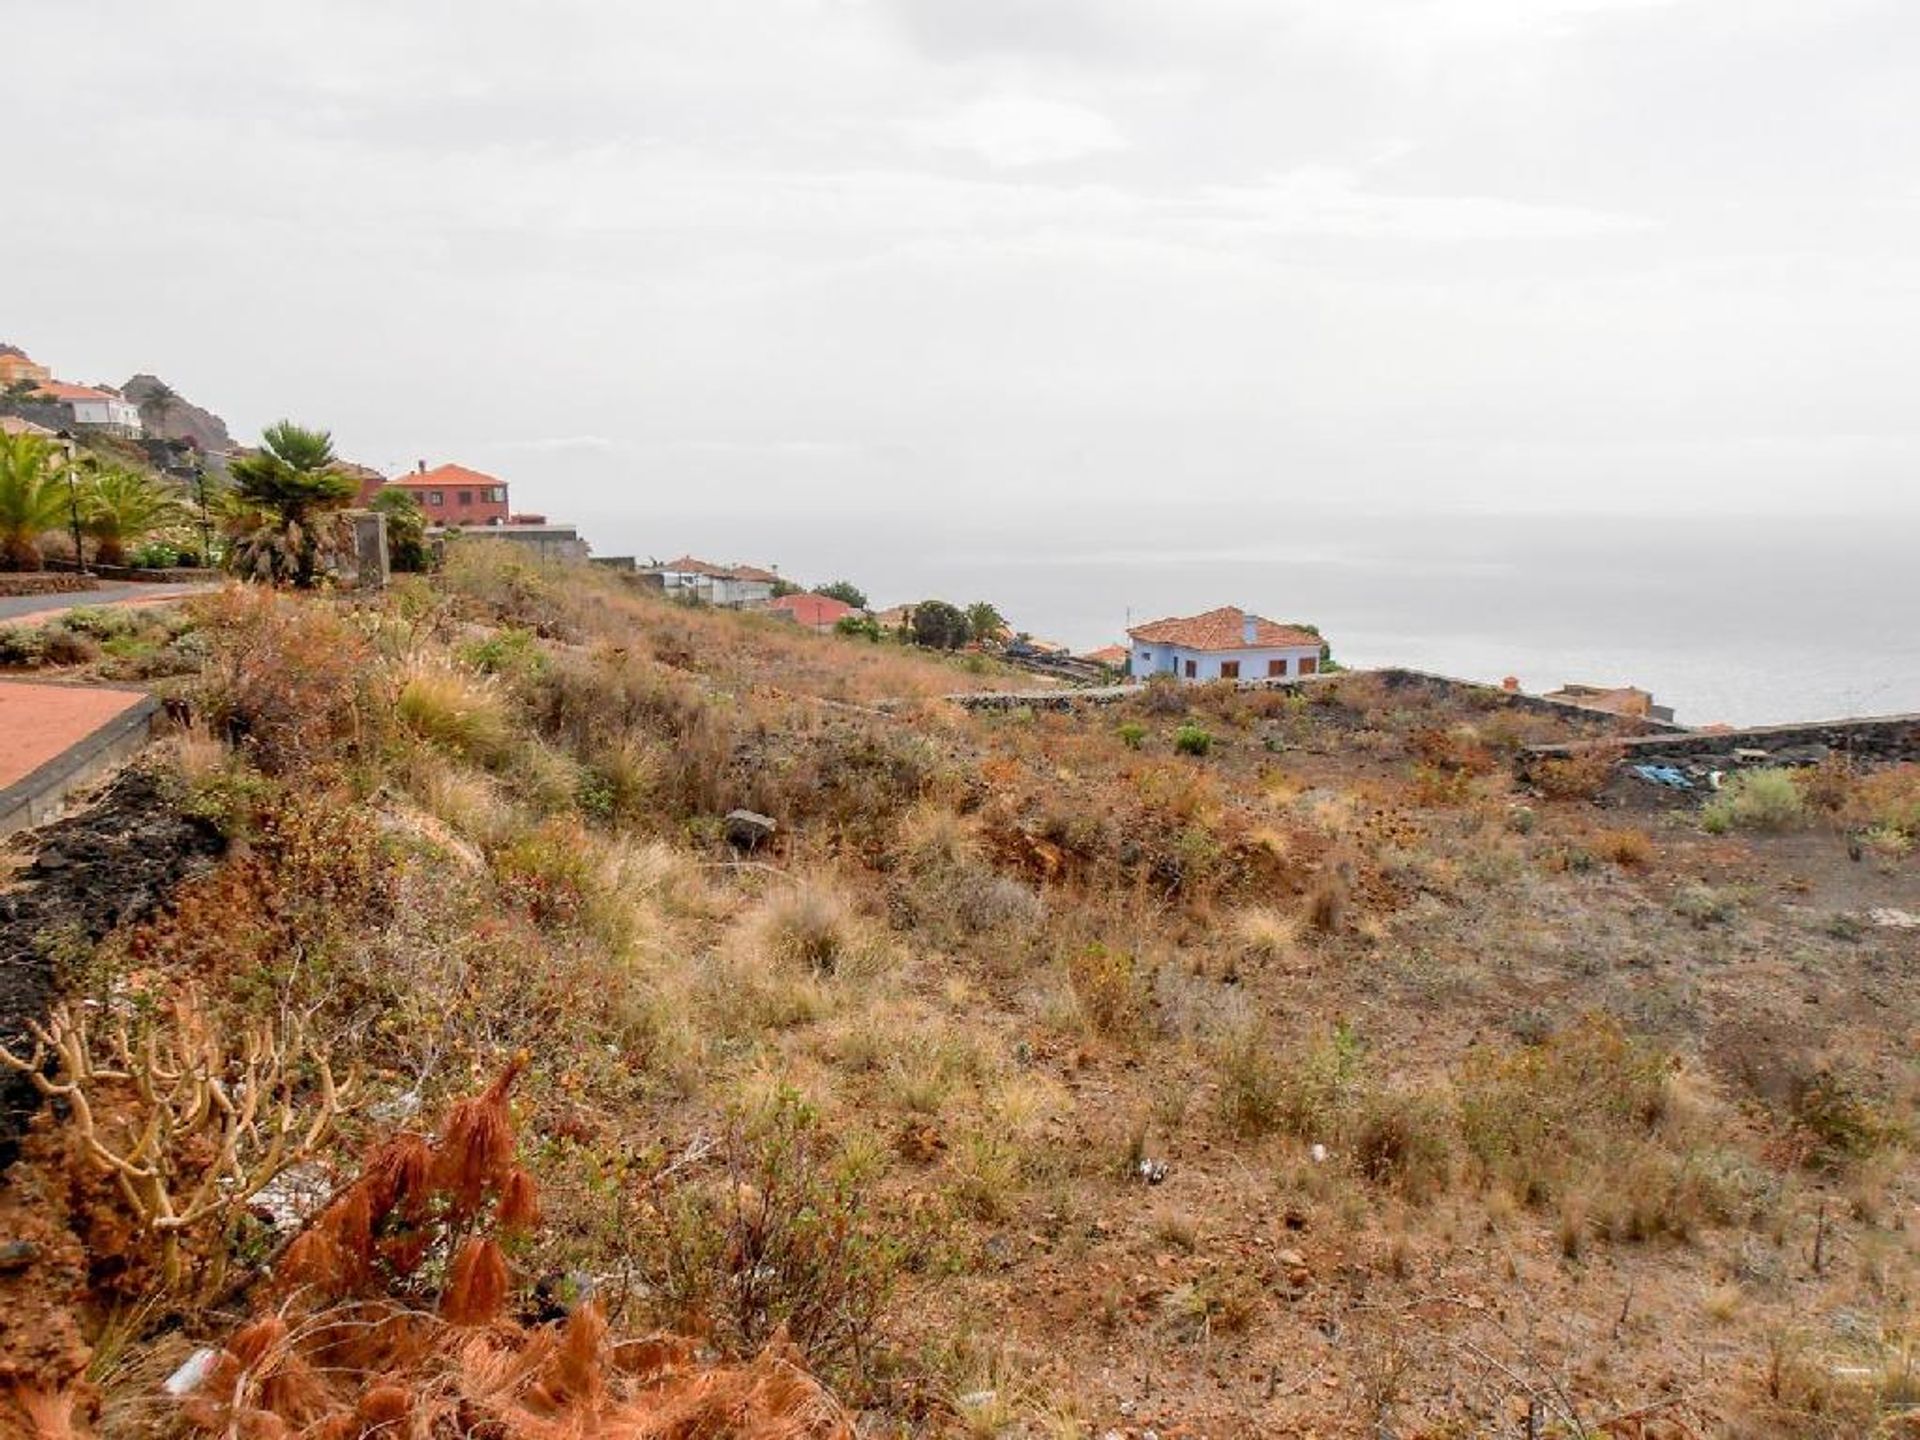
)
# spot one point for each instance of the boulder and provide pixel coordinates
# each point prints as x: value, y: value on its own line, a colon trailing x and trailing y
x: 746, y: 830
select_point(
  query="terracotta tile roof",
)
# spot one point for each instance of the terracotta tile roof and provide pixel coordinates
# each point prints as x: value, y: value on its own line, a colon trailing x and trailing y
x: 1223, y: 629
x: 752, y: 572
x: 817, y: 611
x: 1107, y: 655
x: 61, y: 390
x: 14, y: 425
x: 442, y: 476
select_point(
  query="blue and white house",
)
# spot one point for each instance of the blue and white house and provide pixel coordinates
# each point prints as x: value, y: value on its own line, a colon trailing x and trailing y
x: 1223, y: 644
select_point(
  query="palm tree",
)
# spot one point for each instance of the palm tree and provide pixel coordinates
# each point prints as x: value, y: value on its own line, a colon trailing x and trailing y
x: 31, y: 502
x: 123, y: 505
x: 281, y: 496
x: 984, y: 621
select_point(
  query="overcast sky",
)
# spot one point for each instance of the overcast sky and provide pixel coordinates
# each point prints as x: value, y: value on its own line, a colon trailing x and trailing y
x: 641, y: 255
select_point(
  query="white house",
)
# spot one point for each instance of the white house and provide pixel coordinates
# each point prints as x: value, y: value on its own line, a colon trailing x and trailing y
x: 103, y: 408
x: 736, y: 587
x: 1223, y: 644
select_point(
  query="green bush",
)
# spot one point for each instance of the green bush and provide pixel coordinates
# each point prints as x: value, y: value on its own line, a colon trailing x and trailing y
x: 1192, y: 740
x: 1768, y: 800
x: 1132, y: 734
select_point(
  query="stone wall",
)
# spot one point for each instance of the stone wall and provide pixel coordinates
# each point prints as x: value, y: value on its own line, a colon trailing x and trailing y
x: 42, y: 582
x: 1877, y: 738
x: 1414, y: 684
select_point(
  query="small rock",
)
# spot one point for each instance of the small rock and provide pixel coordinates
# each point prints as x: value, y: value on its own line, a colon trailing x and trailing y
x: 1152, y: 1171
x: 1319, y: 1153
x: 18, y: 1254
x: 1894, y: 919
x: 747, y: 830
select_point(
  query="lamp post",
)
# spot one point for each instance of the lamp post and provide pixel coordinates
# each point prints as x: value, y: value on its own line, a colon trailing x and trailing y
x: 65, y: 437
x: 200, y: 494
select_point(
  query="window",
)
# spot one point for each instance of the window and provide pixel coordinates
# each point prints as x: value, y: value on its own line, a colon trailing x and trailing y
x: 466, y: 497
x: 497, y: 494
x: 1309, y: 664
x: 434, y: 497
x: 1277, y: 667
x: 1191, y: 670
x: 1229, y: 669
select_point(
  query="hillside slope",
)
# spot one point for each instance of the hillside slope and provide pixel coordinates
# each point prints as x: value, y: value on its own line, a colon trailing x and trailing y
x: 1217, y: 1063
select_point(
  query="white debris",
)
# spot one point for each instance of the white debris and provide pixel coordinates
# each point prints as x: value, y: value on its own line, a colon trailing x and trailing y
x: 1319, y: 1153
x: 293, y: 1195
x: 400, y: 1108
x: 189, y: 1376
x: 1894, y: 919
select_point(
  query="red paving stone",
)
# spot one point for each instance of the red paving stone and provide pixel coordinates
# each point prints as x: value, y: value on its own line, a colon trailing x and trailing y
x: 38, y: 722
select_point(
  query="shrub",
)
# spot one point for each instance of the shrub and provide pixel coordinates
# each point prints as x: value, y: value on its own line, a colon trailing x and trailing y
x: 1106, y: 983
x: 289, y: 680
x: 1631, y: 849
x: 1250, y: 1080
x: 1132, y: 734
x: 1704, y: 905
x: 778, y: 1237
x: 1765, y: 800
x: 1192, y: 740
x: 1404, y: 1140
x: 1580, y: 775
x: 1533, y: 1118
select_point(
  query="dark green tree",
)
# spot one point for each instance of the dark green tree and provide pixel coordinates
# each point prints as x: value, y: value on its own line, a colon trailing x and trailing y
x: 939, y: 626
x: 846, y: 592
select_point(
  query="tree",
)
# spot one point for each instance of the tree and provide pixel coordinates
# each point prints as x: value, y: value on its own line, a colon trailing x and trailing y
x: 984, y: 622
x: 118, y: 506
x: 406, y: 528
x: 784, y: 587
x: 846, y: 592
x: 32, y: 502
x: 281, y: 497
x: 939, y: 626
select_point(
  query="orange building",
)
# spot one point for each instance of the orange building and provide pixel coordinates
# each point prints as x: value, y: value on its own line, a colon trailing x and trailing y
x: 16, y: 365
x: 450, y: 494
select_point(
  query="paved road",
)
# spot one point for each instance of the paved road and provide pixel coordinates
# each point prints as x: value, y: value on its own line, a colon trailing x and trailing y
x: 20, y: 607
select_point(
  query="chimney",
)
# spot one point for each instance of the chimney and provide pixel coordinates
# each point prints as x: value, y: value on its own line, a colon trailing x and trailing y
x: 420, y: 467
x: 1249, y: 627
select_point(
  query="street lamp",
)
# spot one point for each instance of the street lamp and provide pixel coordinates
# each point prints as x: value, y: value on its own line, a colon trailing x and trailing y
x: 65, y: 437
x: 200, y: 494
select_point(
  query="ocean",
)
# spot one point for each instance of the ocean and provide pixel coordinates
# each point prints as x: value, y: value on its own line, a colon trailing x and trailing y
x: 1741, y: 619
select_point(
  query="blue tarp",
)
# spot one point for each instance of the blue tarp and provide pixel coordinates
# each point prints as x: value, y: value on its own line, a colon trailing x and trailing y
x: 1663, y: 775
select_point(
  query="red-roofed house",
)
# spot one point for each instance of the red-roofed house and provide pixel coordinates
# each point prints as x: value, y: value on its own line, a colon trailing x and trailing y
x: 451, y: 494
x: 104, y: 409
x: 816, y: 612
x: 1223, y: 644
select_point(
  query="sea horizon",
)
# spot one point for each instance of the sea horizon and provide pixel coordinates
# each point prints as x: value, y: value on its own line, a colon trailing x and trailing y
x: 1740, y: 619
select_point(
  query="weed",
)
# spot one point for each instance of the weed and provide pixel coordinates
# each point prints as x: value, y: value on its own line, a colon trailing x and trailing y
x: 1192, y: 740
x: 1764, y: 800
